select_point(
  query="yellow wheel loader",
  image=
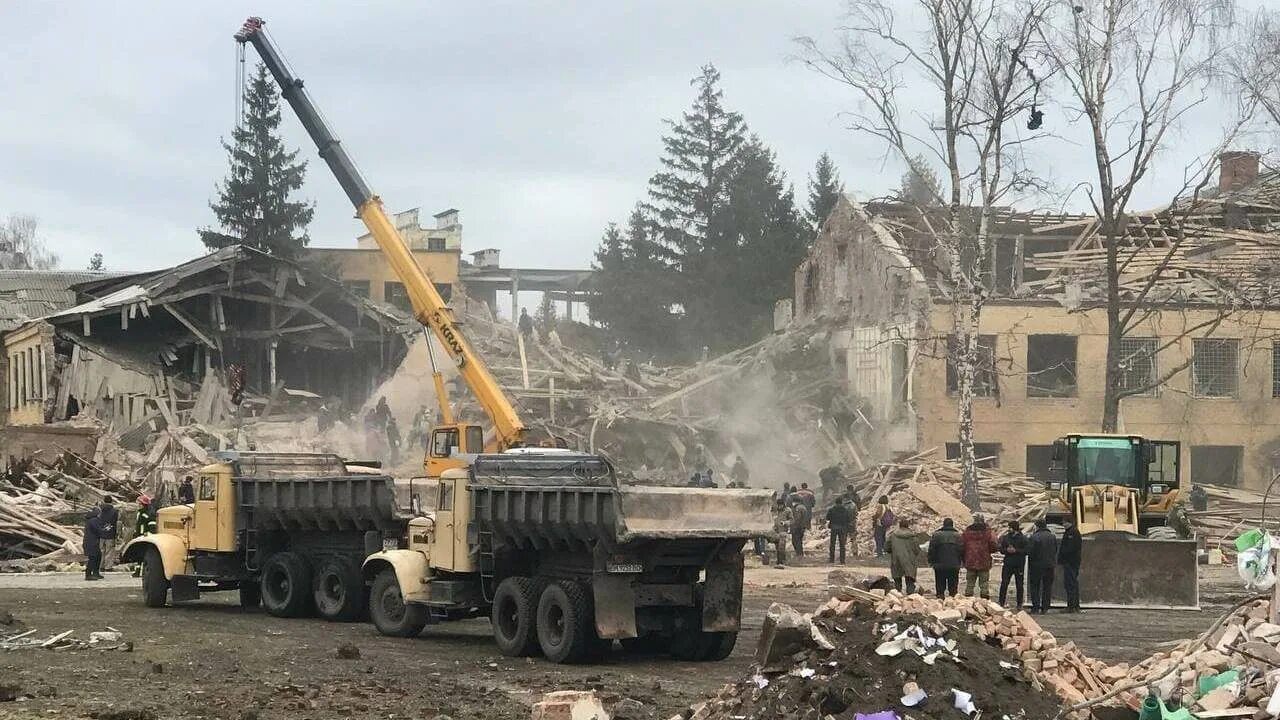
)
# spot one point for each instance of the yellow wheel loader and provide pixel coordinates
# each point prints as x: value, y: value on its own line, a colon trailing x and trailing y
x: 1118, y: 490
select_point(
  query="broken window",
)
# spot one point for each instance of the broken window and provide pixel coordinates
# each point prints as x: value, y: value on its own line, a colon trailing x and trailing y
x: 357, y: 287
x: 1217, y: 464
x: 394, y: 294
x: 1138, y: 365
x: 436, y: 244
x: 1051, y: 366
x: 1039, y: 457
x: 1215, y: 367
x: 1275, y: 370
x: 984, y: 373
x: 987, y: 454
x: 445, y: 290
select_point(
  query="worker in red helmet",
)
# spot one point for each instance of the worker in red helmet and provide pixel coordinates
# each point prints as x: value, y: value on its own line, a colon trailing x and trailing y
x: 145, y: 525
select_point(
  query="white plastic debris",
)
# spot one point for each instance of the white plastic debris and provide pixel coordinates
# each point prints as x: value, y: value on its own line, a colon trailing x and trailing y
x: 890, y: 648
x: 914, y: 699
x: 761, y: 681
x: 964, y: 701
x: 108, y: 636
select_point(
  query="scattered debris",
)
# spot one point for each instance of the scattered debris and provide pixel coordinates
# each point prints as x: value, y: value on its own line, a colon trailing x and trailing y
x: 111, y: 639
x: 347, y: 651
x: 570, y: 705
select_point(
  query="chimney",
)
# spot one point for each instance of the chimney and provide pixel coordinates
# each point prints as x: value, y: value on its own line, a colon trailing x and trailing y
x: 1239, y: 168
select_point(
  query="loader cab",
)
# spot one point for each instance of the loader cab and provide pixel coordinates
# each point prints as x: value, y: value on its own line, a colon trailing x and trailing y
x: 449, y: 443
x: 1149, y: 467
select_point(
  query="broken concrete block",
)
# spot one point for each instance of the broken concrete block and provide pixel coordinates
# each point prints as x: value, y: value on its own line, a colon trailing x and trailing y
x: 1265, y: 631
x: 569, y: 705
x: 783, y: 633
x: 1263, y: 650
x: 1029, y: 625
x: 947, y: 615
x: 1219, y: 699
x: 1211, y: 660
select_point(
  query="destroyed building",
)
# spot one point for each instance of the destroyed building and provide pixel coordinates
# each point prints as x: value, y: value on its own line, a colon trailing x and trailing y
x: 134, y: 343
x: 1200, y: 273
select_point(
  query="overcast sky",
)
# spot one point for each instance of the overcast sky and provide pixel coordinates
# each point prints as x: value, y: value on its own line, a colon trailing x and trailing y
x: 540, y: 121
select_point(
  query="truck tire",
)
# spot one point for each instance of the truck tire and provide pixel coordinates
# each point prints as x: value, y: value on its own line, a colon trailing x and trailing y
x: 514, y: 617
x: 565, y: 625
x: 155, y: 587
x: 388, y: 610
x: 339, y: 590
x: 286, y: 585
x: 250, y: 594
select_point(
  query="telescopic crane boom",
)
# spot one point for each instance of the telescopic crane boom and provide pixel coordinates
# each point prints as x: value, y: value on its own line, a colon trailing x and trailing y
x: 429, y: 307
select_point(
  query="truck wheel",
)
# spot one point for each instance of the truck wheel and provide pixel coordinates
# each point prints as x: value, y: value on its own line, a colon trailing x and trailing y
x: 286, y: 585
x: 390, y: 613
x: 565, y: 630
x: 339, y: 590
x: 155, y: 588
x: 515, y: 607
x: 250, y: 594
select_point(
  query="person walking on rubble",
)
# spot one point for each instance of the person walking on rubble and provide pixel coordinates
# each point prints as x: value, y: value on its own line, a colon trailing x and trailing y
x: 801, y: 518
x: 1042, y: 553
x: 1013, y: 546
x: 904, y: 556
x: 1069, y: 551
x: 781, y: 530
x: 881, y: 521
x: 979, y: 542
x: 839, y: 519
x: 109, y: 516
x: 526, y: 325
x: 393, y: 439
x: 946, y: 555
x: 92, y: 545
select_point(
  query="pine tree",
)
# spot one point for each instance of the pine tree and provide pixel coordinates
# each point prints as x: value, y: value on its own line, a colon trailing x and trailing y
x: 689, y: 197
x: 920, y: 186
x: 253, y: 206
x: 634, y: 285
x: 824, y: 191
x: 545, y: 315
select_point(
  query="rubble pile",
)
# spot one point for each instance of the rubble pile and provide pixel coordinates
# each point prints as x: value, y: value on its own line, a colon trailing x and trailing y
x: 109, y: 639
x: 1230, y: 512
x: 846, y: 661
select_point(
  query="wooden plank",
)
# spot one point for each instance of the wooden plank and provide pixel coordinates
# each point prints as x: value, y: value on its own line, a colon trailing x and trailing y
x: 665, y: 399
x: 524, y: 361
x: 189, y: 324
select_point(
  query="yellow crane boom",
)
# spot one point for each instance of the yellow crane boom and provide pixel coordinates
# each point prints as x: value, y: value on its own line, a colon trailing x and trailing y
x: 429, y: 307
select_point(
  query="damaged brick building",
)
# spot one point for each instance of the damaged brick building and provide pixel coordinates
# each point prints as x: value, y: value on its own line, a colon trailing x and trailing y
x: 1207, y: 342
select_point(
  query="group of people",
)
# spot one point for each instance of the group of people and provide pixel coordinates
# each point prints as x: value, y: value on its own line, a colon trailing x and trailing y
x: 950, y: 550
x: 101, y: 529
x: 794, y: 509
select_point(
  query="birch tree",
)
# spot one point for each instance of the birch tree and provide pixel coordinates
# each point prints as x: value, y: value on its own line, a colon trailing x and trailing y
x: 974, y: 58
x: 1133, y: 70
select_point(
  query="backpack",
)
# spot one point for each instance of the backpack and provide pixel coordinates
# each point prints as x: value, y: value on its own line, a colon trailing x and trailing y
x: 887, y: 519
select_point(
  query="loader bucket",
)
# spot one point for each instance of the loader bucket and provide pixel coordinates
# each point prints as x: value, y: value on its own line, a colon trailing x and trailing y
x: 676, y: 512
x: 1119, y: 570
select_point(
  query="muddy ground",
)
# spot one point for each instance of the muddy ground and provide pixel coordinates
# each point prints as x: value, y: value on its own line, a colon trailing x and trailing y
x: 210, y: 659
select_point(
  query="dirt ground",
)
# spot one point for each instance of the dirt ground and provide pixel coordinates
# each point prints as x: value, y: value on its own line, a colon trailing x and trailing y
x: 210, y: 659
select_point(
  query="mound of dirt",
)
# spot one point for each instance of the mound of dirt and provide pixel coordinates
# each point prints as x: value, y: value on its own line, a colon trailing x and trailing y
x: 9, y: 624
x: 853, y: 679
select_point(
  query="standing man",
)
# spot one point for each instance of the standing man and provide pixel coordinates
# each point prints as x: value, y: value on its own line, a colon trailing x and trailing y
x: 186, y: 491
x: 904, y: 556
x: 807, y: 497
x: 1042, y: 553
x: 839, y: 520
x: 946, y: 555
x: 1013, y: 546
x: 1199, y: 499
x: 393, y: 439
x: 526, y: 325
x: 881, y: 520
x: 739, y: 473
x: 1069, y: 558
x: 108, y: 517
x: 93, y: 545
x: 800, y: 519
x: 979, y: 542
x: 781, y: 528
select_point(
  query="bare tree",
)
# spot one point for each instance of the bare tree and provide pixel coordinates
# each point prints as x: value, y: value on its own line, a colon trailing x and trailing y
x: 1255, y: 63
x: 21, y: 248
x: 1134, y: 69
x: 973, y: 57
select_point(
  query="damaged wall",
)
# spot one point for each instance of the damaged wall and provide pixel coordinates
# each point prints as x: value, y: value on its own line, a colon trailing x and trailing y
x: 30, y: 354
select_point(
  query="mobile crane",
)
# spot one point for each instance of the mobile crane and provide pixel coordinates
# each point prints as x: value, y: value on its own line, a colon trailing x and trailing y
x: 547, y: 543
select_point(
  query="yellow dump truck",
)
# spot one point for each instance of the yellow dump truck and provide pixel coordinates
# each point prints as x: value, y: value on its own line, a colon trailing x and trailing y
x: 561, y: 557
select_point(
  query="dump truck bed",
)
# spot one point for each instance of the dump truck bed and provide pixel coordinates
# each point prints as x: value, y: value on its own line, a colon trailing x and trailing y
x: 284, y: 491
x: 558, y: 499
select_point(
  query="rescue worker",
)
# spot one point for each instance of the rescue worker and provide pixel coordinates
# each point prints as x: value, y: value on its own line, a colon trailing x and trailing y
x: 781, y: 530
x: 979, y: 542
x: 186, y: 491
x: 1069, y: 558
x: 904, y: 556
x: 145, y: 524
x: 393, y: 439
x: 882, y: 519
x: 739, y: 473
x: 806, y: 496
x: 526, y: 325
x: 946, y: 555
x: 1013, y: 546
x: 1042, y: 553
x: 839, y: 520
x: 1199, y: 499
x: 1177, y: 519
x: 801, y: 518
x: 109, y: 517
x: 93, y: 544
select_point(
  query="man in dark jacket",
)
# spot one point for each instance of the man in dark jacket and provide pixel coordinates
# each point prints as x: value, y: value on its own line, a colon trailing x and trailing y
x: 979, y: 542
x: 186, y: 491
x: 946, y: 555
x: 110, y: 517
x: 1069, y: 558
x: 1013, y: 546
x: 93, y: 545
x: 800, y: 520
x: 839, y: 518
x: 1042, y: 553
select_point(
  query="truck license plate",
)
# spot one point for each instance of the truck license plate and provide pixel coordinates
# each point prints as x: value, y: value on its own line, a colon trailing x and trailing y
x: 624, y: 567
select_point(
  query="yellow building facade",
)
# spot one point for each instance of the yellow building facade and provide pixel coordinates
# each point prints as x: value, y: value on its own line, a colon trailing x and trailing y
x: 29, y: 357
